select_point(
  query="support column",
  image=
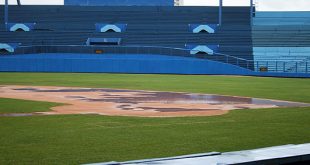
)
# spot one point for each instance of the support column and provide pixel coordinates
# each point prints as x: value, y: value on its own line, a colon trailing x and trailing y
x: 251, y: 11
x: 6, y: 14
x: 18, y: 2
x: 220, y: 12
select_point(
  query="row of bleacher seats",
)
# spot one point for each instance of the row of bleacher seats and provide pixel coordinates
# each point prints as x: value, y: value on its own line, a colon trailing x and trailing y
x: 282, y: 36
x: 151, y: 26
x: 281, y: 29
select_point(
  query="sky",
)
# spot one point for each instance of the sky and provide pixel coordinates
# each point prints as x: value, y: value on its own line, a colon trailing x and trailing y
x: 262, y: 5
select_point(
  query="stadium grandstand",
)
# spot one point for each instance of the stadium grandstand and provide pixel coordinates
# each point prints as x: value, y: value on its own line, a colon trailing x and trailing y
x: 155, y: 36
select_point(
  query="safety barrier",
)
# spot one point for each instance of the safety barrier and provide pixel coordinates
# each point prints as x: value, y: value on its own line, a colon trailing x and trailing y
x: 258, y: 66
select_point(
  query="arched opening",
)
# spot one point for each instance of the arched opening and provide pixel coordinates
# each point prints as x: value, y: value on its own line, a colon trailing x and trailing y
x: 19, y: 30
x: 4, y: 51
x: 110, y: 31
x: 203, y: 31
x: 202, y: 53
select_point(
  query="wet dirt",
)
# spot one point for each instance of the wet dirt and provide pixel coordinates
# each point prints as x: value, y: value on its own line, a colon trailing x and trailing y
x: 118, y: 102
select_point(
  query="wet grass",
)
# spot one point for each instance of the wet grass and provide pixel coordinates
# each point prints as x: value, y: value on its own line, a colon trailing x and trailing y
x: 77, y: 139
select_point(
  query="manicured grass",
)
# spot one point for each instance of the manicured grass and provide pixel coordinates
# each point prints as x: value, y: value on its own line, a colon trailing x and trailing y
x: 24, y: 106
x: 76, y: 139
x: 292, y: 89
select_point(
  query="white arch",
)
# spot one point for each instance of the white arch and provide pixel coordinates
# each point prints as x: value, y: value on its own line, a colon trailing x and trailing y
x: 7, y: 47
x: 110, y: 27
x: 202, y: 48
x: 19, y: 26
x: 200, y: 28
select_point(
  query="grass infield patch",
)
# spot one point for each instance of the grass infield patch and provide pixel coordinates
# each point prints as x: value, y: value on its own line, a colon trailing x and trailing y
x: 24, y: 106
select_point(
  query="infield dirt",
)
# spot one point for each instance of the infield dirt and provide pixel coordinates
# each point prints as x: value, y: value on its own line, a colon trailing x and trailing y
x: 118, y: 102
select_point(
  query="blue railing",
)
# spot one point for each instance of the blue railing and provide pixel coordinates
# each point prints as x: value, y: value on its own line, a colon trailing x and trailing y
x: 283, y: 66
x: 259, y: 66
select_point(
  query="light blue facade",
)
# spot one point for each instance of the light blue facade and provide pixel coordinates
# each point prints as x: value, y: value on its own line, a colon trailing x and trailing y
x: 120, y: 2
x: 282, y: 18
x: 281, y: 41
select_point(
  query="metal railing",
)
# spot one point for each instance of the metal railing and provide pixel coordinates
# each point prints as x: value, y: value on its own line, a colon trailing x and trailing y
x: 282, y: 66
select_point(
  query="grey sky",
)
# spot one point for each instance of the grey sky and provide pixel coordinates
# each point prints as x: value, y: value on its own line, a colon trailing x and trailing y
x: 262, y: 5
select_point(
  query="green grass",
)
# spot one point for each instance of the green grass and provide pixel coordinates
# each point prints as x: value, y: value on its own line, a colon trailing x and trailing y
x: 24, y: 106
x: 76, y: 139
x: 292, y: 89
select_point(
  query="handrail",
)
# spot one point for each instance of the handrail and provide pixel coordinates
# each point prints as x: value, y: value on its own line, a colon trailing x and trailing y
x: 254, y: 65
x: 135, y: 46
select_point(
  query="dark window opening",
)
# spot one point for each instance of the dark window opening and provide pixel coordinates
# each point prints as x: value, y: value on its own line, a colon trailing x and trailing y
x: 110, y: 31
x: 203, y: 31
x: 19, y: 30
x: 103, y: 43
x: 202, y: 53
x: 4, y: 51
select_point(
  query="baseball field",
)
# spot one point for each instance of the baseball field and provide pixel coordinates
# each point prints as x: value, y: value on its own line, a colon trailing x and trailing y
x: 89, y: 138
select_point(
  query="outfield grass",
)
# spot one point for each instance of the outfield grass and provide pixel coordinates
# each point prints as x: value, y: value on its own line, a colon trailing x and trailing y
x: 24, y: 106
x: 292, y: 89
x: 76, y: 139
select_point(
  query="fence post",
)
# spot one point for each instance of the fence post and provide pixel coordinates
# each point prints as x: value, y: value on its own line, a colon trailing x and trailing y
x: 256, y: 65
x: 227, y: 59
x: 296, y: 67
x: 276, y: 66
x: 283, y: 66
x: 306, y: 67
x: 247, y: 64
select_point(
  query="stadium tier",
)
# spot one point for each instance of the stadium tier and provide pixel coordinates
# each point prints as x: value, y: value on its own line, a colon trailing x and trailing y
x: 145, y: 26
x: 192, y: 32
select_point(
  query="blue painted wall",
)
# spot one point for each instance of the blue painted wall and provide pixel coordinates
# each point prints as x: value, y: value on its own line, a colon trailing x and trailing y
x: 116, y: 63
x: 120, y: 2
x: 119, y: 63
